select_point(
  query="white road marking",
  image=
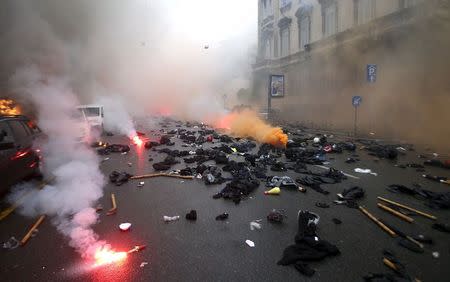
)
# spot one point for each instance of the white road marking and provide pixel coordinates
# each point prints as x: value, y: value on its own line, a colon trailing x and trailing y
x: 346, y: 174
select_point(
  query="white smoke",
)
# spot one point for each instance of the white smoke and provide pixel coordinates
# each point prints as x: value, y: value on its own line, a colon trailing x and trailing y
x: 78, y: 181
x: 117, y: 119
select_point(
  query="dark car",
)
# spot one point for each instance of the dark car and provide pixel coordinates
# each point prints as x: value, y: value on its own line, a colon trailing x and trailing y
x: 18, y: 159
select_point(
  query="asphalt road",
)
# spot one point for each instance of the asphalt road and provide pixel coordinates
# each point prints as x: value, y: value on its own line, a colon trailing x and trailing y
x: 210, y: 250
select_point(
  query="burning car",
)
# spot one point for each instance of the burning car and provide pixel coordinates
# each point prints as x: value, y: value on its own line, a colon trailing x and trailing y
x: 18, y: 158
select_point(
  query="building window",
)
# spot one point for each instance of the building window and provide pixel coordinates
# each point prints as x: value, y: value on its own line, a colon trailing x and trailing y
x: 364, y: 11
x: 285, y: 4
x: 408, y: 3
x: 284, y: 36
x: 268, y: 48
x: 329, y: 16
x: 267, y: 8
x: 304, y: 31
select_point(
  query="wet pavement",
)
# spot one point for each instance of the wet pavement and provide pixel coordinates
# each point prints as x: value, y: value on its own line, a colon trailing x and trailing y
x: 210, y: 250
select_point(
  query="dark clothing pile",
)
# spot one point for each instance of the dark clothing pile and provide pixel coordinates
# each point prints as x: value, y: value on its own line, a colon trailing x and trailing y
x: 213, y: 175
x: 438, y: 163
x: 434, y: 200
x: 244, y: 147
x: 383, y: 151
x: 308, y: 246
x: 281, y: 181
x: 278, y: 166
x: 119, y: 178
x: 238, y: 189
x: 314, y: 180
x: 168, y: 162
x: 306, y: 156
x: 113, y: 148
x: 276, y: 216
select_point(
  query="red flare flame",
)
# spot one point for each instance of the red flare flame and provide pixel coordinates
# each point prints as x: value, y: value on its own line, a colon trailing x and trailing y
x: 105, y: 256
x: 137, y: 140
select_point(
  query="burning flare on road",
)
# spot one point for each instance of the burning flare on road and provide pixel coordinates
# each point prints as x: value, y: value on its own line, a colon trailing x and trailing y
x: 105, y: 256
x: 247, y: 123
x: 9, y: 107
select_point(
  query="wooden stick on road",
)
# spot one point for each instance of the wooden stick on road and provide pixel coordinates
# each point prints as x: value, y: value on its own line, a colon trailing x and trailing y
x: 407, y: 208
x: 113, y: 210
x: 161, y: 174
x: 384, y: 227
x: 30, y: 232
x: 396, y: 213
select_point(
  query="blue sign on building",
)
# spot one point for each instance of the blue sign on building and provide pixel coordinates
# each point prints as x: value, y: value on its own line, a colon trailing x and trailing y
x: 356, y: 101
x: 371, y: 73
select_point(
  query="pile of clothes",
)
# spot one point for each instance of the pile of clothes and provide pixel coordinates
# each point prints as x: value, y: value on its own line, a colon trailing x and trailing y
x: 308, y: 246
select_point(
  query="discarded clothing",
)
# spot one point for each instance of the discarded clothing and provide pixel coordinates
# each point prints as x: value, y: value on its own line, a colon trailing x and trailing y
x: 213, y: 175
x: 222, y: 216
x: 383, y: 151
x: 239, y: 188
x: 442, y: 227
x: 282, y: 182
x: 435, y: 178
x: 221, y: 158
x: 353, y: 193
x: 113, y: 148
x: 322, y: 205
x: 410, y: 245
x: 438, y: 163
x: 119, y: 178
x: 435, y: 200
x: 384, y: 277
x: 166, y: 164
x: 336, y: 221
x: 278, y: 166
x: 276, y: 216
x: 308, y: 246
x: 192, y: 215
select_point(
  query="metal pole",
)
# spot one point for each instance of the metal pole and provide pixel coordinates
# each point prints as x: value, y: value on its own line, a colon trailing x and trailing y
x: 269, y: 99
x: 356, y: 116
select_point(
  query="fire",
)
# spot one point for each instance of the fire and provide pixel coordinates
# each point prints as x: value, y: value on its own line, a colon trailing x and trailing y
x: 105, y: 256
x: 9, y: 107
x: 137, y: 140
x: 247, y: 124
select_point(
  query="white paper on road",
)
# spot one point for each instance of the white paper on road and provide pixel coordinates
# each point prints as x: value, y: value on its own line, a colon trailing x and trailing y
x: 250, y: 243
x: 366, y: 171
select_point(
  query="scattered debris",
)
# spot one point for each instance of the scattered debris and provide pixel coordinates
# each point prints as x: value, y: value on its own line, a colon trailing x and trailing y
x: 119, y: 178
x: 171, y: 218
x: 276, y: 216
x: 365, y: 171
x: 192, y: 215
x: 435, y: 255
x: 336, y: 221
x: 144, y: 263
x: 250, y: 243
x: 141, y: 184
x: 255, y: 225
x: 222, y: 216
x: 322, y: 205
x: 273, y: 191
x: 161, y: 175
x: 11, y: 244
x: 125, y: 226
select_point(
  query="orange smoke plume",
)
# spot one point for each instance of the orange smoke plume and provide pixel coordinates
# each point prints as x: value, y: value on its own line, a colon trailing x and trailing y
x: 248, y: 124
x: 9, y: 107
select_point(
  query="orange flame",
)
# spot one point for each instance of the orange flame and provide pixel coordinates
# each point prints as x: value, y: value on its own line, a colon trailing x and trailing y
x: 9, y: 107
x: 105, y: 256
x: 248, y: 124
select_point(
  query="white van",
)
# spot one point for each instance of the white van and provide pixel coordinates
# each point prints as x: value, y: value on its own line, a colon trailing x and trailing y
x: 94, y: 115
